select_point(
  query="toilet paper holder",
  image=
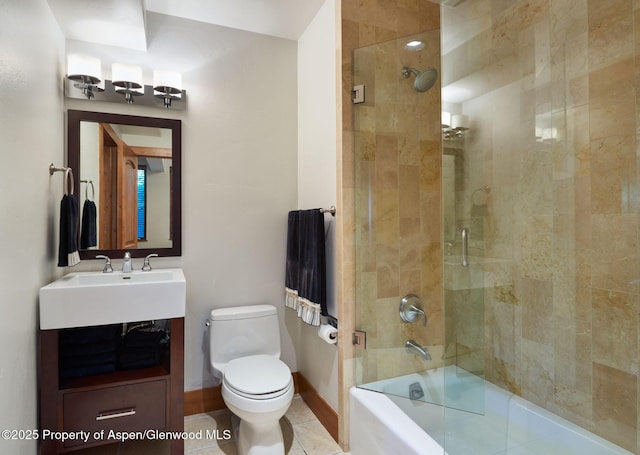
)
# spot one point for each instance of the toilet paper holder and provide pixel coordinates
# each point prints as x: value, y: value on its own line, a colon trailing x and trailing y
x: 328, y: 333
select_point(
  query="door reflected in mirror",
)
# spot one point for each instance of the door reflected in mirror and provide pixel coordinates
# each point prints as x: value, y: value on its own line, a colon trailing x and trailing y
x: 130, y: 183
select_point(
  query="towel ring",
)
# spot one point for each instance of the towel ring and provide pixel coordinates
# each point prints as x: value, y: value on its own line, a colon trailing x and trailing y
x: 86, y: 190
x: 68, y: 177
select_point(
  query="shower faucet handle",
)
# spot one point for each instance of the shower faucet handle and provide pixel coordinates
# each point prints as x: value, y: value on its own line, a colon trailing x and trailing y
x: 411, y: 309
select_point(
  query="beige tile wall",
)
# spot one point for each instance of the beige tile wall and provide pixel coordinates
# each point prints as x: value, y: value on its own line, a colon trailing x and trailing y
x: 398, y: 205
x: 560, y: 309
x: 562, y: 329
x: 395, y: 267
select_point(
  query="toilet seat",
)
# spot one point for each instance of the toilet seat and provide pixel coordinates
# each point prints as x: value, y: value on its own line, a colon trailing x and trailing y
x: 259, y: 377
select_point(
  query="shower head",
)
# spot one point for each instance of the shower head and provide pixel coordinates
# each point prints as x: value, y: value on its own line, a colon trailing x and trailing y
x: 424, y: 79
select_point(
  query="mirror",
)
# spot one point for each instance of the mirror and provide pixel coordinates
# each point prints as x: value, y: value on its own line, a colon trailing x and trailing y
x: 129, y: 168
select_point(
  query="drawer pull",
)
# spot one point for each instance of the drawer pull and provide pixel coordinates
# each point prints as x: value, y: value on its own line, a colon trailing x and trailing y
x: 116, y: 414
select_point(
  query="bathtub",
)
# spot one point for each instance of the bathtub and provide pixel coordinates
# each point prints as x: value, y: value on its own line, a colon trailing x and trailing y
x: 481, y: 419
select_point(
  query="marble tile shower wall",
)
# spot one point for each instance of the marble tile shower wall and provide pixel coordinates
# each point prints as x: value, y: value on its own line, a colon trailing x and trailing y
x: 365, y: 23
x: 398, y: 205
x: 563, y: 216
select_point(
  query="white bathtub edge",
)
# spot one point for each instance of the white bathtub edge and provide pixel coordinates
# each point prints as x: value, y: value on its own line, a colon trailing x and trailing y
x: 396, y: 435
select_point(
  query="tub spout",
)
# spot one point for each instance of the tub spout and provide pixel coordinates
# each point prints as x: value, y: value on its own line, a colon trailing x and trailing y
x: 414, y: 348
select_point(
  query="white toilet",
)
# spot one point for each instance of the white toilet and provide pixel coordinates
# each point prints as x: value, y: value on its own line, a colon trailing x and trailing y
x: 244, y: 350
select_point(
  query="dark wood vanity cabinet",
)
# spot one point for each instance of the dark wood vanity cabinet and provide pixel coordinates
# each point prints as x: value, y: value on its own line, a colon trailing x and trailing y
x: 147, y: 401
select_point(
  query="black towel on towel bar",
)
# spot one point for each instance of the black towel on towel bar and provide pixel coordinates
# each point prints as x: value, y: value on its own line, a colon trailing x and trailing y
x: 68, y: 249
x: 293, y: 258
x: 88, y: 230
x: 305, y: 277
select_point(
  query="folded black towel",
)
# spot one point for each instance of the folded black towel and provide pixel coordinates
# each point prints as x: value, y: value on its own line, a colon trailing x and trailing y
x: 68, y: 249
x: 89, y: 335
x: 140, y: 349
x: 139, y: 357
x: 99, y: 347
x: 305, y: 277
x: 143, y: 338
x: 77, y: 372
x: 88, y: 360
x: 88, y: 230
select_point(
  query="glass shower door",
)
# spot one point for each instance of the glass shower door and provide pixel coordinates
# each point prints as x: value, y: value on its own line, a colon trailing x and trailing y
x: 402, y: 177
x: 397, y: 200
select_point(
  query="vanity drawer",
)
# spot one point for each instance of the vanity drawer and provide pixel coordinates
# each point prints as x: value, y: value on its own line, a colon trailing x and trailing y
x: 128, y: 408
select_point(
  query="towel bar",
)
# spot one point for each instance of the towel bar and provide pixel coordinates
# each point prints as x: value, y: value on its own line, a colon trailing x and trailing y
x: 331, y: 210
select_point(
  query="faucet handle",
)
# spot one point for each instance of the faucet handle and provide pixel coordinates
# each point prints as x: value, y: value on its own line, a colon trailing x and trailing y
x: 410, y: 309
x: 107, y: 263
x: 146, y: 267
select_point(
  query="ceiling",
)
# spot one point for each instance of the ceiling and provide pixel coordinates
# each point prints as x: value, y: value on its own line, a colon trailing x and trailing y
x: 122, y: 22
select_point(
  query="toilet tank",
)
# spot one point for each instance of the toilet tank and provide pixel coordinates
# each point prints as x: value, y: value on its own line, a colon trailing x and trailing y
x: 241, y: 331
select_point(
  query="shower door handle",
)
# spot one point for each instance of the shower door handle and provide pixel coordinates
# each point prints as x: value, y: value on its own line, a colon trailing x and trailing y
x: 465, y: 246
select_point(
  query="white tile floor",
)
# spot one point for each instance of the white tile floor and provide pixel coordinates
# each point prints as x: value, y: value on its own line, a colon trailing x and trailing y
x: 303, y: 434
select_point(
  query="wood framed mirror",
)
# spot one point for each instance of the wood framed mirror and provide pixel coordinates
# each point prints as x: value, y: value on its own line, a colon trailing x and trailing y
x: 130, y: 168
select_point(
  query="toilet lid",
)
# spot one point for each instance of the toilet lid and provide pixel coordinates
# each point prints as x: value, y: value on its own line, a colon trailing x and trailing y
x: 257, y: 375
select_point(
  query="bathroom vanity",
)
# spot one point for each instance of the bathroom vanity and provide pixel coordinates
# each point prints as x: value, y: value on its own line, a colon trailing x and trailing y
x: 91, y: 395
x: 91, y: 408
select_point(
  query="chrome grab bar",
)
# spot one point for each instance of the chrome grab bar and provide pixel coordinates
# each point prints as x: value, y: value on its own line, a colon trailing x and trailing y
x: 465, y: 246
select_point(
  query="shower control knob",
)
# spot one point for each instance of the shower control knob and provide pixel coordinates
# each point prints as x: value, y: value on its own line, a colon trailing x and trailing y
x: 411, y: 309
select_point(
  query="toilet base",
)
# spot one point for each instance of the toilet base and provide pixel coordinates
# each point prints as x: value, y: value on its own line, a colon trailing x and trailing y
x: 257, y: 439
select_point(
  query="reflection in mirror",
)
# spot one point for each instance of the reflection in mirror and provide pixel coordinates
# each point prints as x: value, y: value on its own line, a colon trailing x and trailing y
x: 448, y: 199
x: 130, y: 177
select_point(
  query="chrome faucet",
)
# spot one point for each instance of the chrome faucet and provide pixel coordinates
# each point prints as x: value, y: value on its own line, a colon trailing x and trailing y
x: 107, y: 264
x: 146, y: 267
x: 414, y: 348
x: 126, y: 264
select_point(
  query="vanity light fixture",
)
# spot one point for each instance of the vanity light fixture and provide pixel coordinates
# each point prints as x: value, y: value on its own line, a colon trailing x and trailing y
x: 446, y: 120
x: 127, y: 80
x: 454, y: 126
x: 167, y: 85
x: 86, y: 73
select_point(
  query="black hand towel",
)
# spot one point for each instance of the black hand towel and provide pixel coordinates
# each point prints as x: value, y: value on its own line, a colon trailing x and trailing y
x: 88, y: 231
x: 291, y: 270
x: 68, y: 249
x: 305, y: 277
x: 312, y: 271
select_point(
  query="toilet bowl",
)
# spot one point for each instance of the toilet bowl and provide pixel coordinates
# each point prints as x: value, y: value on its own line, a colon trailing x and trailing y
x: 257, y: 386
x: 258, y: 390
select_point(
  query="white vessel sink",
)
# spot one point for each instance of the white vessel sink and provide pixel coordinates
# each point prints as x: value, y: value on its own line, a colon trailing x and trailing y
x: 94, y: 298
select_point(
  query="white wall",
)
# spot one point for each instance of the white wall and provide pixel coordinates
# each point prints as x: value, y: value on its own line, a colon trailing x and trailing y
x: 31, y: 127
x: 238, y: 165
x: 317, y: 126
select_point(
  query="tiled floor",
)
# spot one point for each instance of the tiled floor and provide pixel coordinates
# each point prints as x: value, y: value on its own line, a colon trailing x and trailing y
x: 303, y: 434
